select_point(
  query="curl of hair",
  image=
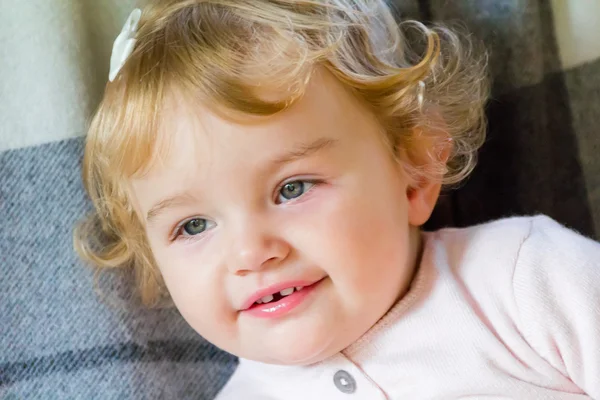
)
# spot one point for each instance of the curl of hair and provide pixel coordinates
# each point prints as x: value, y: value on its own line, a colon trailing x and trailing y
x: 228, y: 53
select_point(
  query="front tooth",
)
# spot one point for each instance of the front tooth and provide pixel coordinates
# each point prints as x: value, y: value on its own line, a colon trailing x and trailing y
x: 267, y: 299
x: 259, y: 301
x: 299, y: 288
x: 287, y: 292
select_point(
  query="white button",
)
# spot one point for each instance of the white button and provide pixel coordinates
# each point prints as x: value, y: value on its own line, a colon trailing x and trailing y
x: 344, y: 382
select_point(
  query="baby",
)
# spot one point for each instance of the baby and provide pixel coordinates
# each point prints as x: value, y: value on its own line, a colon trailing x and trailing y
x: 266, y: 165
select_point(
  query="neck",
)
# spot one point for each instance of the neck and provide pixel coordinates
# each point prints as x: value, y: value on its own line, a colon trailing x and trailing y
x: 415, y: 249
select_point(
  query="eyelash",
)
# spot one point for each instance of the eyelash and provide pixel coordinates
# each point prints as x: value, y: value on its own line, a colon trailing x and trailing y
x: 178, y: 235
x: 178, y: 232
x: 312, y: 182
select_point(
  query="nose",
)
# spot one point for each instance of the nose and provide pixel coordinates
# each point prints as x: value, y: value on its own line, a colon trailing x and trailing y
x: 255, y: 247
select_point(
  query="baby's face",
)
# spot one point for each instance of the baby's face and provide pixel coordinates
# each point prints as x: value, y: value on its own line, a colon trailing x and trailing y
x: 283, y: 240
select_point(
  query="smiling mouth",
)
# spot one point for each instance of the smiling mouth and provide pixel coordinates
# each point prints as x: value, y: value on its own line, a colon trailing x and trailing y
x: 279, y: 302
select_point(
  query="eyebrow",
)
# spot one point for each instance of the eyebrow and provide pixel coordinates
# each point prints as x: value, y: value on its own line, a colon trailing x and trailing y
x: 169, y: 202
x: 304, y: 150
x: 301, y: 151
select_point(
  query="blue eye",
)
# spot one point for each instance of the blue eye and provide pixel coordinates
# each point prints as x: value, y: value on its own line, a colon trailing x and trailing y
x: 293, y: 190
x: 195, y: 226
x: 192, y: 228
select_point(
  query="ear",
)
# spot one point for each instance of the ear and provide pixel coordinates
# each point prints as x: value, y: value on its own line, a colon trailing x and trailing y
x: 422, y: 200
x: 423, y: 193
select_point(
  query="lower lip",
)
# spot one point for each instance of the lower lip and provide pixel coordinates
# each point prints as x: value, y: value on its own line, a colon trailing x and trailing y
x: 282, y: 306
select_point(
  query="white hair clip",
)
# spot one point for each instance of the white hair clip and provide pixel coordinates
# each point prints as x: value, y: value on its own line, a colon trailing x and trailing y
x: 124, y: 44
x: 420, y: 96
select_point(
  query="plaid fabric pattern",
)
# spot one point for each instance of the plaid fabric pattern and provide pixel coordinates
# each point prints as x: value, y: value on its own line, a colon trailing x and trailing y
x: 59, y: 339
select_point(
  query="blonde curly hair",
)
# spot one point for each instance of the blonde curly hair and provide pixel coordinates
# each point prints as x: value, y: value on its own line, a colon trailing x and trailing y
x: 225, y: 53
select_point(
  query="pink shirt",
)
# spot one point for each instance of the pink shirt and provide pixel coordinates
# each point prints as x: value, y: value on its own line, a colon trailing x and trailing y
x: 505, y: 310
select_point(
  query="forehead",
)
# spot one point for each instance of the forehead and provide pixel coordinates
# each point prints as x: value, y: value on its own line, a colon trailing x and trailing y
x: 327, y: 110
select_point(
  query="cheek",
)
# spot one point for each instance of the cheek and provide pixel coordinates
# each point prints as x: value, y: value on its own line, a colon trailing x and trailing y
x: 196, y: 289
x: 363, y: 239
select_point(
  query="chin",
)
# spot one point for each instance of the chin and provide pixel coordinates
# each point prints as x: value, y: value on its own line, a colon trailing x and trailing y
x: 302, y: 351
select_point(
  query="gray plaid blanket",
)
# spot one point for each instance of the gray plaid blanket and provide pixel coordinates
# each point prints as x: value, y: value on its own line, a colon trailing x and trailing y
x: 62, y: 339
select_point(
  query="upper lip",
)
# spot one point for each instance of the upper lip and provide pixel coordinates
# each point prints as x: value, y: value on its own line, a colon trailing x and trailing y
x: 269, y: 290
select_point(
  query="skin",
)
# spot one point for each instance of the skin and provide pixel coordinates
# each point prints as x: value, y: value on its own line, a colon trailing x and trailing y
x: 354, y: 224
